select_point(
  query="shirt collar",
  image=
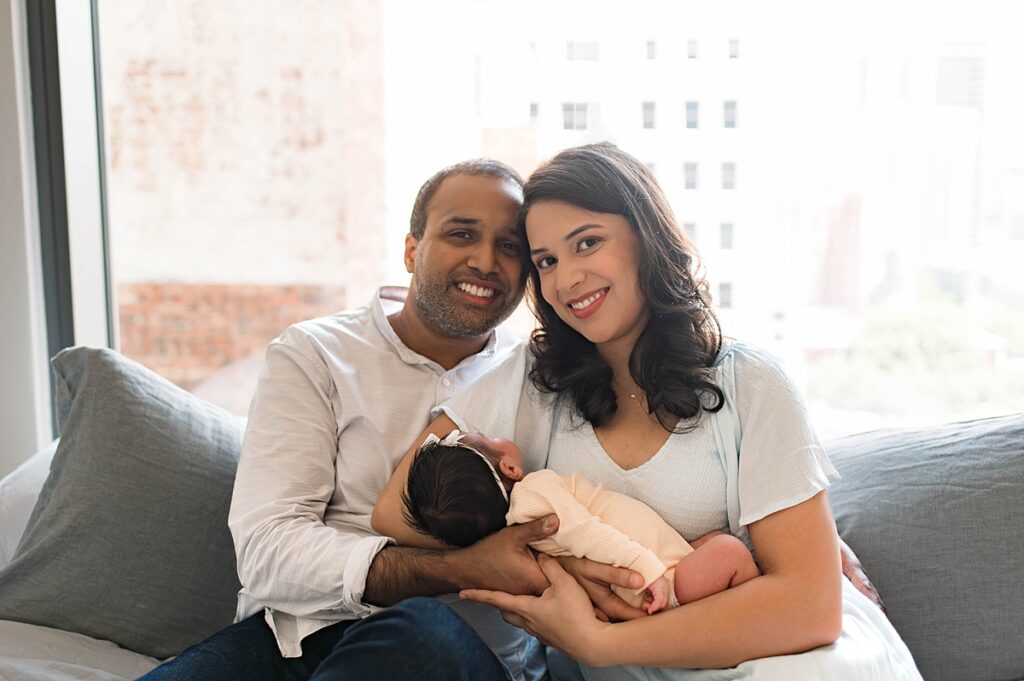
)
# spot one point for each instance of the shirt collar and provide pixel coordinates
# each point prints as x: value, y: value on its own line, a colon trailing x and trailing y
x: 385, y: 301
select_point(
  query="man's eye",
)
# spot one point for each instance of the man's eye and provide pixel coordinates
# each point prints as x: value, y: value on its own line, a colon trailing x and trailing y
x: 545, y: 262
x: 588, y: 243
x: 510, y: 247
x: 459, y: 234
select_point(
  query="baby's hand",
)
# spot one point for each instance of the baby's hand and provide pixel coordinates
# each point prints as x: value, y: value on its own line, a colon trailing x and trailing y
x: 656, y: 595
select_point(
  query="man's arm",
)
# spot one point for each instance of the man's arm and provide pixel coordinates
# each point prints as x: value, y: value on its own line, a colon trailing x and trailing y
x: 503, y: 561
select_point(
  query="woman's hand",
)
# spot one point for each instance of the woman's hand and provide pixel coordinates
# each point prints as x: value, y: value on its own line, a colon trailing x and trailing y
x: 562, y: 616
x: 597, y: 579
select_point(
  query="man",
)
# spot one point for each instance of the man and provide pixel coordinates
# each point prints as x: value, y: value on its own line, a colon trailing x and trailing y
x: 339, y: 401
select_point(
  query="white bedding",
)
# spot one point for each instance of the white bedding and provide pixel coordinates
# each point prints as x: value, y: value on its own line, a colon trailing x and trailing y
x: 33, y: 653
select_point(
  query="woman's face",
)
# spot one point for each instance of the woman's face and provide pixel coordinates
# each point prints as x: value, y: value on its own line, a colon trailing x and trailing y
x: 588, y: 271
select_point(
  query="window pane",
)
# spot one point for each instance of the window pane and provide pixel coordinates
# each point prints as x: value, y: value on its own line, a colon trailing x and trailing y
x: 691, y: 114
x: 726, y: 235
x: 730, y: 114
x: 728, y: 176
x: 648, y: 115
x: 690, y: 175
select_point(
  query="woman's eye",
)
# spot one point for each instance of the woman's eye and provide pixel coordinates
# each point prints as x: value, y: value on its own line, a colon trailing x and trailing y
x: 545, y: 262
x: 588, y: 243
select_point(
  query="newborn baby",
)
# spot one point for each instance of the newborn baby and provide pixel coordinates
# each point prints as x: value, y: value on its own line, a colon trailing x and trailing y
x: 466, y: 486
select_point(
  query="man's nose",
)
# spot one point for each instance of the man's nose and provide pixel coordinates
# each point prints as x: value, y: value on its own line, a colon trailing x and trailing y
x: 484, y: 258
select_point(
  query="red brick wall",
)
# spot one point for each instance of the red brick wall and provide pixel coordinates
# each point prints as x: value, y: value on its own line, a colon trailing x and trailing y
x: 185, y: 332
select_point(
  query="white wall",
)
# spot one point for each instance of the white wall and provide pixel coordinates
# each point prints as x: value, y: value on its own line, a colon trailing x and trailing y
x: 24, y: 384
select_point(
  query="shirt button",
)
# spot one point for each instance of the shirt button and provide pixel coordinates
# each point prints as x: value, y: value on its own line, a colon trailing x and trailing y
x: 446, y: 382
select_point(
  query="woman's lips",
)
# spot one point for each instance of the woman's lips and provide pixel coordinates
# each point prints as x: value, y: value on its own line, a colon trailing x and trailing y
x: 587, y: 305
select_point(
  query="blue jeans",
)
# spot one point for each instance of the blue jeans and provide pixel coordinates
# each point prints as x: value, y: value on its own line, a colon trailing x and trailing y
x: 420, y: 638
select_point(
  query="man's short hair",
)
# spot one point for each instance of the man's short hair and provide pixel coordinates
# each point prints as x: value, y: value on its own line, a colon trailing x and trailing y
x: 480, y: 166
x: 451, y: 495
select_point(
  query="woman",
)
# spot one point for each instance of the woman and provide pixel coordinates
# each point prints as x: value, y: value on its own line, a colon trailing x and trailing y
x: 648, y: 401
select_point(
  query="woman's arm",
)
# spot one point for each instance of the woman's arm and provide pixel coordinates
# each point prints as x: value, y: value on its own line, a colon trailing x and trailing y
x: 795, y: 606
x: 387, y: 517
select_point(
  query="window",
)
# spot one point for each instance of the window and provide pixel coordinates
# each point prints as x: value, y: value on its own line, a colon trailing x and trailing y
x: 728, y: 176
x: 690, y: 175
x: 648, y: 115
x: 691, y: 230
x: 691, y: 114
x: 730, y: 114
x: 726, y: 236
x: 187, y: 186
x: 581, y: 51
x: 725, y: 294
x: 574, y: 116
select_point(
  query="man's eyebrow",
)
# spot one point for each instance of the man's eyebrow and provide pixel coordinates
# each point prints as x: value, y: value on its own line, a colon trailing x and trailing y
x: 581, y: 228
x: 457, y: 220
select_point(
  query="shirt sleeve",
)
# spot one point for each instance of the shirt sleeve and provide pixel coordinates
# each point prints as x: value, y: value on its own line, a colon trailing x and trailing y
x: 581, y: 533
x: 288, y: 558
x: 781, y: 462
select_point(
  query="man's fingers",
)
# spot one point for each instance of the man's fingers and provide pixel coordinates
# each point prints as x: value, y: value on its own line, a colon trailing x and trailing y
x: 552, y: 570
x: 616, y: 608
x: 536, y: 529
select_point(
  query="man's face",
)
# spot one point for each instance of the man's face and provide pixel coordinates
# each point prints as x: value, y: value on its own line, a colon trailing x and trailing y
x: 467, y: 268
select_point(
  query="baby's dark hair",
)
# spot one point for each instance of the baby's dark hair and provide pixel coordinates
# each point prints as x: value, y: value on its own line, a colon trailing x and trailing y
x: 451, y: 495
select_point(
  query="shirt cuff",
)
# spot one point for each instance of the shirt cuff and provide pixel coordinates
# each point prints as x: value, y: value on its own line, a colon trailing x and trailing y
x: 356, y: 568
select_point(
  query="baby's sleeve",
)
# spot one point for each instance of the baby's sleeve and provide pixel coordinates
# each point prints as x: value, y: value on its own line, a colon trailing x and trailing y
x: 580, y: 533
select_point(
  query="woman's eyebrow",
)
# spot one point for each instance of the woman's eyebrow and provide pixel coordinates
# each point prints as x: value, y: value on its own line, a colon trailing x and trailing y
x: 570, y: 235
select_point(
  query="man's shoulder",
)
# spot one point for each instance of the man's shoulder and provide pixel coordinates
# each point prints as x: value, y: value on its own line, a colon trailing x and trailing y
x: 353, y: 325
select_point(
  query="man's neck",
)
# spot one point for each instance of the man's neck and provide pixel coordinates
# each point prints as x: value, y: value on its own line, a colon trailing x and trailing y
x: 448, y: 352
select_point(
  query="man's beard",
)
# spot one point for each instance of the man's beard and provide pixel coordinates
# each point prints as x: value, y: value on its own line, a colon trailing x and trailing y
x: 444, y: 313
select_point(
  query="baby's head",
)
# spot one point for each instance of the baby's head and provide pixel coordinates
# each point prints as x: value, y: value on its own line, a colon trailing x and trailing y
x: 458, y: 486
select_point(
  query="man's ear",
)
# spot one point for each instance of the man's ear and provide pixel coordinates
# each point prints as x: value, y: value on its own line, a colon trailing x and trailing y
x: 411, y: 243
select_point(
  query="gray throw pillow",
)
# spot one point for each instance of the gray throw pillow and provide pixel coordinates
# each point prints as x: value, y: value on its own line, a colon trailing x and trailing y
x: 935, y: 514
x: 128, y: 540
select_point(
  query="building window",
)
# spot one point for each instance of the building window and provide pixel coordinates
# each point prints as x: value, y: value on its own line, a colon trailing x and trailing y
x: 726, y: 234
x: 734, y: 49
x: 691, y: 49
x: 652, y: 49
x: 581, y: 51
x: 691, y: 114
x: 690, y: 228
x: 730, y: 114
x: 648, y: 115
x: 690, y: 175
x: 534, y: 110
x: 574, y: 116
x: 725, y: 294
x: 728, y: 176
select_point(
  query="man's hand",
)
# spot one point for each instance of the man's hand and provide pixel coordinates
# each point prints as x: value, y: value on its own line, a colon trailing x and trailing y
x: 854, y: 571
x: 596, y: 579
x: 501, y: 562
x: 504, y: 560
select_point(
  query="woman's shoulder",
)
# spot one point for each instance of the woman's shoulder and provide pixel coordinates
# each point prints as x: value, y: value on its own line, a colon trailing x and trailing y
x: 751, y: 364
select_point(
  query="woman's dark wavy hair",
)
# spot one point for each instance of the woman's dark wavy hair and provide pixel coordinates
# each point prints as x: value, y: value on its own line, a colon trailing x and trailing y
x: 672, y: 359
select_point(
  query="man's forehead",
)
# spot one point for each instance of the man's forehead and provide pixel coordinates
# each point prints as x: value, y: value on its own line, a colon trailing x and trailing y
x: 475, y: 192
